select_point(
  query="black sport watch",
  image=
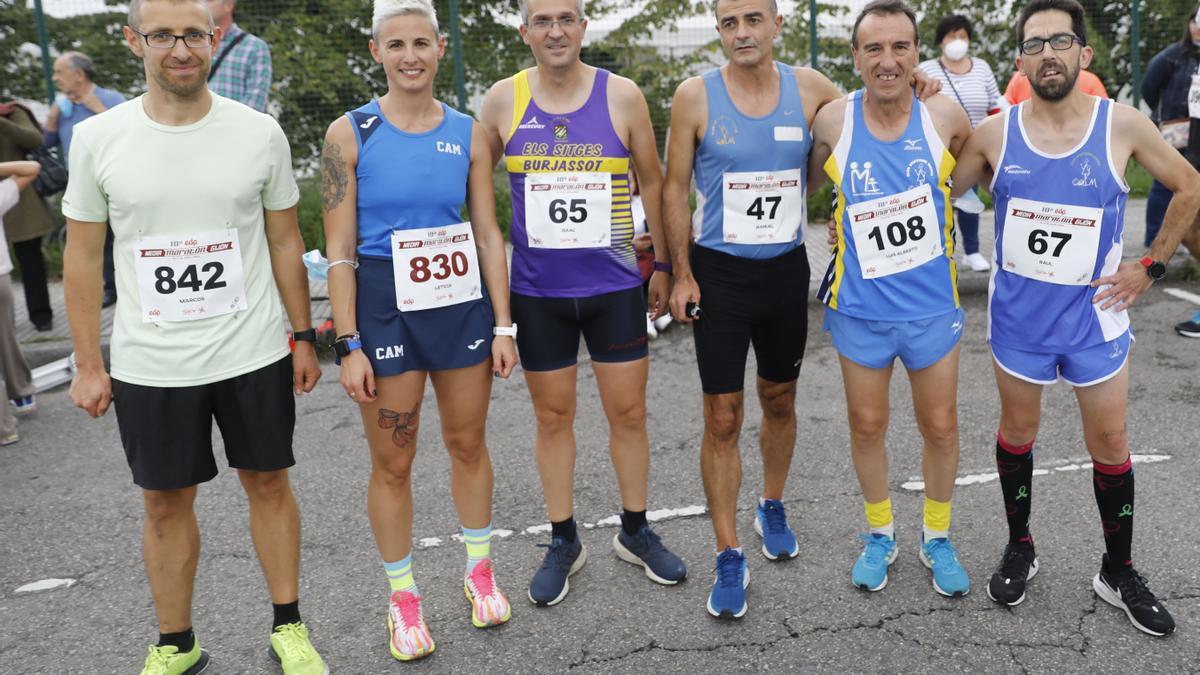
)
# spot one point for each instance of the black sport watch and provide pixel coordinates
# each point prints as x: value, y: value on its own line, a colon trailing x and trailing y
x: 1154, y: 269
x: 346, y: 344
x: 309, y: 335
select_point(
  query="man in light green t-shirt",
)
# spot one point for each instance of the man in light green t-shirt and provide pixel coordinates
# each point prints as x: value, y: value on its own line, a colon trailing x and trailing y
x: 200, y: 194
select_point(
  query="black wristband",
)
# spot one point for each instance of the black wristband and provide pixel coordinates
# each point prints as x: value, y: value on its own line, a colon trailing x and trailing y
x: 309, y: 335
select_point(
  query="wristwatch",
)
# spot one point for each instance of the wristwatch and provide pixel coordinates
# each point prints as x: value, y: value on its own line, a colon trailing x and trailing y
x: 346, y: 344
x: 510, y: 331
x: 309, y: 335
x: 1154, y: 269
x: 662, y: 266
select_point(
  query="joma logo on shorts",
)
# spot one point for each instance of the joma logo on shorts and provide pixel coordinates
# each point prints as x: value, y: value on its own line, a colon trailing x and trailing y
x: 392, y: 352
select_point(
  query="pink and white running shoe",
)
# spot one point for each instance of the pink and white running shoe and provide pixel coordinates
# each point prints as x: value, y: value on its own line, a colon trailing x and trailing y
x: 489, y: 607
x: 409, y: 636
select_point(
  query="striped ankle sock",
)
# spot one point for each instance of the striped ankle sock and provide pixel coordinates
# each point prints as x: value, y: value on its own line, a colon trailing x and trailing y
x: 400, y: 575
x: 479, y: 544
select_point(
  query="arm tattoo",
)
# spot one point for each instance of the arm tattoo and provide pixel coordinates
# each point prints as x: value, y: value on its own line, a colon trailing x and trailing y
x: 333, y: 176
x: 402, y: 424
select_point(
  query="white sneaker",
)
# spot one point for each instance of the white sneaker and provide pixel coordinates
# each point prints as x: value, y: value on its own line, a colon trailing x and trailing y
x: 662, y: 322
x: 651, y: 331
x: 977, y: 262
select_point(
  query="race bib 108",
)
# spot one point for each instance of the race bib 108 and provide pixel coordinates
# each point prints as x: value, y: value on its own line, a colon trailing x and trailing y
x: 897, y: 233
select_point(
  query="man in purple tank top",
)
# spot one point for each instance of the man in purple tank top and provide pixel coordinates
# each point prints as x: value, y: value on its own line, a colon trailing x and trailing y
x: 570, y: 134
x: 1053, y: 125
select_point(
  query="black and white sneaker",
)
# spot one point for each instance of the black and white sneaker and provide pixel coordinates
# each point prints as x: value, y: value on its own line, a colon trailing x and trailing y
x: 1126, y: 590
x: 1019, y: 565
x: 1189, y: 328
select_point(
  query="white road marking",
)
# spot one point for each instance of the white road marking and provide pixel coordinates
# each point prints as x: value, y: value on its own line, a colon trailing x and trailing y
x: 46, y: 585
x: 1183, y: 295
x: 916, y: 484
x: 656, y: 516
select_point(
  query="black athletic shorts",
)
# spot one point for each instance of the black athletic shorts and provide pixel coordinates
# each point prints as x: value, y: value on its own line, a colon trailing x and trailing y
x: 748, y: 301
x: 613, y: 325
x: 167, y: 431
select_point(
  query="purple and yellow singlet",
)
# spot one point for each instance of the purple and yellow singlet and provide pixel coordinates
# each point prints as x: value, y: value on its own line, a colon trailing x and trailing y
x: 572, y: 228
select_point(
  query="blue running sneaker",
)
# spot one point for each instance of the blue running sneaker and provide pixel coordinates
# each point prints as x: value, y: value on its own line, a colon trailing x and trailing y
x: 728, y: 597
x: 870, y: 571
x: 949, y: 577
x: 777, y: 538
x: 644, y: 548
x: 550, y: 585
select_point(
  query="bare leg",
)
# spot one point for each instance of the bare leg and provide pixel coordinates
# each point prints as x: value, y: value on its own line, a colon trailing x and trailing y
x: 777, y: 437
x: 275, y: 529
x: 867, y: 406
x: 623, y: 395
x: 721, y: 463
x: 171, y: 548
x: 391, y: 422
x: 935, y: 402
x: 553, y: 395
x: 463, y: 396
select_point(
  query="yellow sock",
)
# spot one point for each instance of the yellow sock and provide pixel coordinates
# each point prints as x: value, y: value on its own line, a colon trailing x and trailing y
x: 879, y: 517
x: 937, y: 519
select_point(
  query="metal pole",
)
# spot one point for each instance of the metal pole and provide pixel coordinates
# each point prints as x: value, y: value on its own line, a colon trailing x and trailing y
x: 1135, y: 47
x: 812, y: 33
x: 44, y: 42
x: 460, y: 79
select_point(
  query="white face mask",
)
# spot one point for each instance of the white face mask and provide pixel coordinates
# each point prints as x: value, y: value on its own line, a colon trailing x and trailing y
x: 955, y: 50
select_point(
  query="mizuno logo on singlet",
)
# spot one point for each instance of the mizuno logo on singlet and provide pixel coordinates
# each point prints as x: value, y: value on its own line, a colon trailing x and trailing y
x: 368, y: 123
x: 532, y: 123
x: 913, y: 144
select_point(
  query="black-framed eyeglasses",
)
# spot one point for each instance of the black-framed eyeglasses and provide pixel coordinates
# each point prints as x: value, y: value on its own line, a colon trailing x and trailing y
x: 162, y: 39
x: 1059, y: 42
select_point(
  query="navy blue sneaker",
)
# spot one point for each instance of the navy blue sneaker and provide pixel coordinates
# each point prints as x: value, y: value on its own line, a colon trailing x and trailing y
x: 644, y: 548
x: 23, y: 405
x: 777, y: 539
x: 550, y: 585
x: 728, y: 597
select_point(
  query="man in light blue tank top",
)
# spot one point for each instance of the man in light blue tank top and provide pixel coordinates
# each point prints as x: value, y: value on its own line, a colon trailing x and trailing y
x: 891, y: 289
x: 1059, y: 292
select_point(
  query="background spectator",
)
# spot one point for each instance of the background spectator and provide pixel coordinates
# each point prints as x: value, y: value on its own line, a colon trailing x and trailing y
x: 972, y: 83
x: 18, y: 381
x: 241, y: 69
x: 30, y: 219
x: 79, y: 99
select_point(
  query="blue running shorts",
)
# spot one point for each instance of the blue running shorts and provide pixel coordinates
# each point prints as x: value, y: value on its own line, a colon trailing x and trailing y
x: 1088, y: 366
x: 395, y: 342
x: 876, y: 344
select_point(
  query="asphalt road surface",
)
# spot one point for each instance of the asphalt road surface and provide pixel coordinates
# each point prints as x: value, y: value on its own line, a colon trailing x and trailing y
x: 69, y: 510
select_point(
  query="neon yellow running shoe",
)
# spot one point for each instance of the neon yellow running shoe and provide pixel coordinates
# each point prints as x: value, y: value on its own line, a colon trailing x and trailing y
x: 170, y: 661
x: 408, y: 635
x: 489, y: 607
x: 291, y: 649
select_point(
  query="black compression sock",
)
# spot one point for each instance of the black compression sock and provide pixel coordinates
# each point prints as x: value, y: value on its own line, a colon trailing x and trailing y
x: 1113, y: 487
x: 183, y: 640
x: 563, y: 528
x: 286, y: 613
x: 632, y: 521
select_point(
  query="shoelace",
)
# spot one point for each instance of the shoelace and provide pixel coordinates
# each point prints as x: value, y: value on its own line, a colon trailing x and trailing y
x: 1014, y: 565
x: 1134, y: 591
x: 557, y: 554
x: 295, y: 642
x: 409, y: 606
x: 159, y: 660
x: 650, y: 540
x: 776, y: 519
x: 877, y: 548
x: 729, y: 570
x: 941, y: 552
x: 482, y: 579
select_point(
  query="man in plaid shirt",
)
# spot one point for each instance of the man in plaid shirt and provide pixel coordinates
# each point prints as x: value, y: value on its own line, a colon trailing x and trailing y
x: 244, y: 73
